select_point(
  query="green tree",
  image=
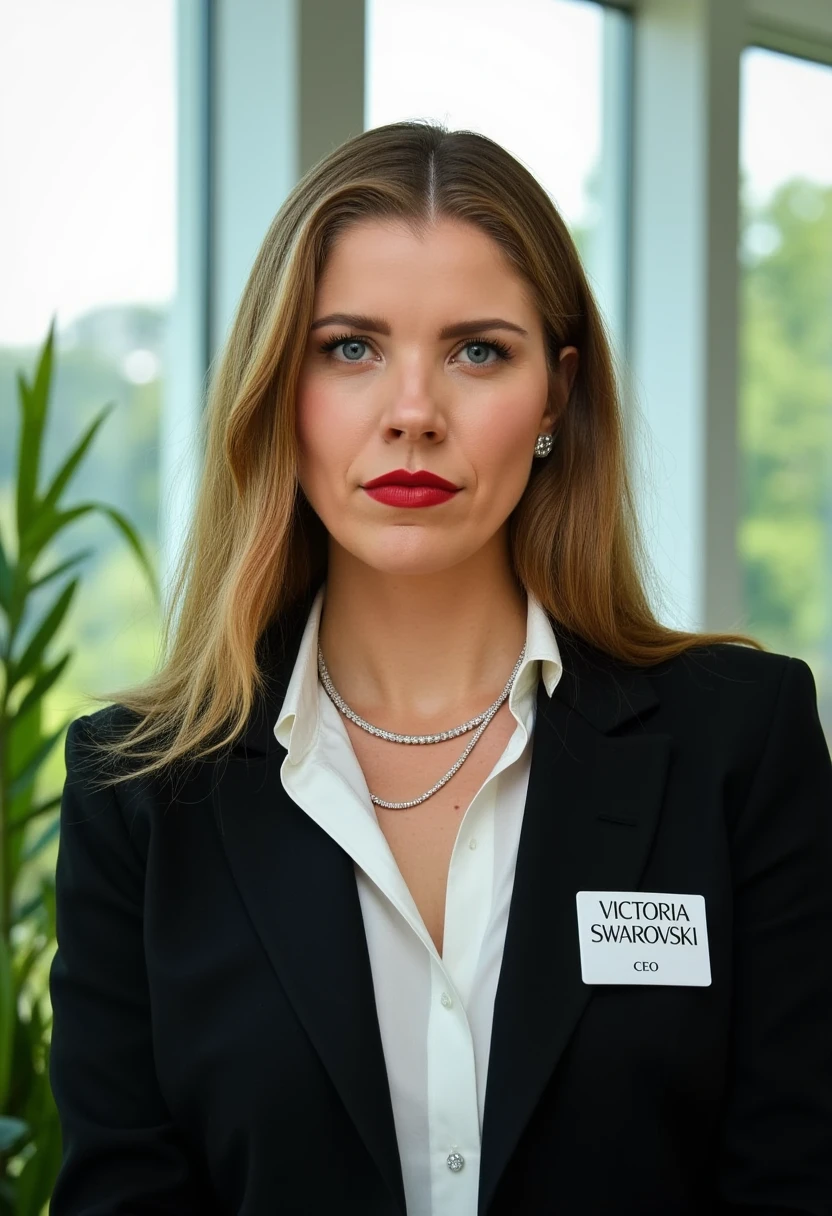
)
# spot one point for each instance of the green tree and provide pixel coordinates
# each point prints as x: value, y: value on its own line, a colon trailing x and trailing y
x: 786, y: 424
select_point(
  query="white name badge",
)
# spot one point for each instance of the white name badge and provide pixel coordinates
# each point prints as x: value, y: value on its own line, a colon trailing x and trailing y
x: 643, y: 937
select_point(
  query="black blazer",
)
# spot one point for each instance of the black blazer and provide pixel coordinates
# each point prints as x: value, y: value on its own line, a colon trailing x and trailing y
x: 215, y: 1046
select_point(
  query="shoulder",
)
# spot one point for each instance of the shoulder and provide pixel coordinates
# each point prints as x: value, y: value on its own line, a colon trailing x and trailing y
x: 726, y: 670
x: 736, y: 677
x: 88, y: 734
x: 102, y: 724
x: 92, y: 766
x: 730, y: 697
x: 722, y: 667
x: 747, y: 715
x: 717, y: 696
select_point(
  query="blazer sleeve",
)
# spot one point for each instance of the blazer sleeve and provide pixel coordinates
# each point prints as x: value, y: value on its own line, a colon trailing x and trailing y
x: 776, y: 1147
x: 122, y: 1151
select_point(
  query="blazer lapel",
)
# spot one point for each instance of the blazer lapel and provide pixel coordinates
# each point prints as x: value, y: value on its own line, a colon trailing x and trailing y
x: 591, y: 812
x: 300, y: 891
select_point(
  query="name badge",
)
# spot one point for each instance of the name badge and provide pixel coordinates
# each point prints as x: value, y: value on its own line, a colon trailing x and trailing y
x: 643, y: 937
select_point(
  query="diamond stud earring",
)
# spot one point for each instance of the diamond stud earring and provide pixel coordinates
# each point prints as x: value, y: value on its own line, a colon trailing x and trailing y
x: 543, y: 445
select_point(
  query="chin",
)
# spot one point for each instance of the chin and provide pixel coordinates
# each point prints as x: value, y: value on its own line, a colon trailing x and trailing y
x: 408, y: 550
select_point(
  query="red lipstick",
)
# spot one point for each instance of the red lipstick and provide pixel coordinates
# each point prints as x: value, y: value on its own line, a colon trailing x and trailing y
x: 401, y: 488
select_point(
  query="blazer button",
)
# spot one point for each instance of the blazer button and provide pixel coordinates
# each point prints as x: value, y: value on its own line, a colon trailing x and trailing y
x: 455, y: 1162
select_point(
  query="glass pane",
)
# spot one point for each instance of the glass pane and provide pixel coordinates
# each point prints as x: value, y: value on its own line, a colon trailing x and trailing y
x: 87, y: 235
x: 785, y: 536
x: 544, y: 79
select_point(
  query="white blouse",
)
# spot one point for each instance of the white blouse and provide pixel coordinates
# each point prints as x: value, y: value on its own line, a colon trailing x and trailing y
x: 434, y: 1012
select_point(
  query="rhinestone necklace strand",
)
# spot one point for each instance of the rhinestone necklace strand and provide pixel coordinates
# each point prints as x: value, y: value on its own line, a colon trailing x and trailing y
x: 480, y: 721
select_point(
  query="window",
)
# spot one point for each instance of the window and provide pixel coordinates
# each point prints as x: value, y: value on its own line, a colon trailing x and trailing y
x: 547, y: 80
x: 785, y: 408
x: 87, y: 235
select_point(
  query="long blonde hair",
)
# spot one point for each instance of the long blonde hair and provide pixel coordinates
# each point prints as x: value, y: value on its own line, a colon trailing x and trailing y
x: 254, y: 547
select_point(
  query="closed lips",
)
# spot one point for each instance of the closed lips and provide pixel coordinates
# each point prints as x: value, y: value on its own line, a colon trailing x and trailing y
x: 401, y: 477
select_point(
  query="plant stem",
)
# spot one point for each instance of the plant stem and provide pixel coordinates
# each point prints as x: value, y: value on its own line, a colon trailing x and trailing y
x: 5, y: 873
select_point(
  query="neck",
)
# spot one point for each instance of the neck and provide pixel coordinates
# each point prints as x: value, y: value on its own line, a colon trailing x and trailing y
x: 415, y: 652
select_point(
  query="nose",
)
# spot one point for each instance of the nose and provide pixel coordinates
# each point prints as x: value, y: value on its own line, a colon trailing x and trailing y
x: 414, y: 414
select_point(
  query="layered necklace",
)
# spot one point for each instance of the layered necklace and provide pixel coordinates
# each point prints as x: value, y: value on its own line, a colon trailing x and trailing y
x: 479, y: 722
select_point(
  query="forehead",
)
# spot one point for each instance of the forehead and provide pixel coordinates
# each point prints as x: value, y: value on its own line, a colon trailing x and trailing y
x: 449, y: 261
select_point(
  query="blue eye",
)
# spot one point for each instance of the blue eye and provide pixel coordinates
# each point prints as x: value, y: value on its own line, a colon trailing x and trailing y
x: 501, y: 350
x: 342, y: 340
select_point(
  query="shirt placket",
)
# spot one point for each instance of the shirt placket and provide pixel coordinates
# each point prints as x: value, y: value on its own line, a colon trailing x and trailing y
x: 453, y: 1108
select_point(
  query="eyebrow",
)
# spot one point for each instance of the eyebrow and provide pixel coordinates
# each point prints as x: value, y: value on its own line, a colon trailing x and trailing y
x: 378, y: 325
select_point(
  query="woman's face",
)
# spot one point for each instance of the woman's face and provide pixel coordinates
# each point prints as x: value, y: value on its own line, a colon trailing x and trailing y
x: 396, y: 392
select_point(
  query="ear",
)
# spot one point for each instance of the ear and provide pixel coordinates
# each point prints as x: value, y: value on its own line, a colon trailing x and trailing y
x: 568, y: 369
x: 563, y: 380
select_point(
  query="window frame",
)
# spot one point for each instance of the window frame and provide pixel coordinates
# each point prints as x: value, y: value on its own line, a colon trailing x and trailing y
x: 679, y: 322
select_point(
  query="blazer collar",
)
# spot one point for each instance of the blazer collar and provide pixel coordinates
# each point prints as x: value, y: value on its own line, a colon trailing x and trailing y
x: 592, y: 808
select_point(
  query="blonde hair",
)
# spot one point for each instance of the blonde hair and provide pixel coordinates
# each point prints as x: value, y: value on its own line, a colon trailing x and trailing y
x: 255, y: 548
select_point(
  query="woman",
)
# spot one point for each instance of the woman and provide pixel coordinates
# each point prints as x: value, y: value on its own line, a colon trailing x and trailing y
x: 431, y: 873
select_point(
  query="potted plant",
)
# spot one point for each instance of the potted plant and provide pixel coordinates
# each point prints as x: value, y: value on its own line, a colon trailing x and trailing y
x: 30, y: 1140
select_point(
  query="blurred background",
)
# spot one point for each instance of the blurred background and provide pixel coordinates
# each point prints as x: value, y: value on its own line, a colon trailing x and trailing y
x: 146, y: 145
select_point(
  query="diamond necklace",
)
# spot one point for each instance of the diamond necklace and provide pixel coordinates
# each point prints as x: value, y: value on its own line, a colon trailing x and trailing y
x: 480, y: 721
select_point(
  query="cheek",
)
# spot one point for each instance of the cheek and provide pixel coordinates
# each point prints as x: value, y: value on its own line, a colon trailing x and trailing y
x: 330, y: 434
x: 313, y: 430
x: 501, y: 445
x: 319, y: 423
x: 311, y: 416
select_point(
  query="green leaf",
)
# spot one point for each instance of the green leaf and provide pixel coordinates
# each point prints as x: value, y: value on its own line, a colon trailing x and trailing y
x: 22, y: 912
x: 48, y: 903
x: 23, y: 780
x: 31, y: 656
x: 41, y: 809
x: 75, y: 457
x: 45, y: 523
x: 7, y: 1021
x: 34, y: 404
x: 23, y: 739
x: 48, y: 522
x: 25, y: 1076
x: 36, y: 1180
x: 6, y: 579
x: 40, y: 842
x: 40, y: 939
x: 25, y: 960
x: 130, y: 534
x: 43, y: 682
x: 27, y: 451
x: 80, y: 556
x: 11, y: 1131
x: 43, y: 375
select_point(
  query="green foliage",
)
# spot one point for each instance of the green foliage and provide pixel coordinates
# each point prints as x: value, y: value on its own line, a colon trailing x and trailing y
x: 30, y: 1142
x: 786, y: 424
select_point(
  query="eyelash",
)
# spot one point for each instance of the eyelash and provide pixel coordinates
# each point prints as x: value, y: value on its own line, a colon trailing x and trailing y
x: 503, y: 352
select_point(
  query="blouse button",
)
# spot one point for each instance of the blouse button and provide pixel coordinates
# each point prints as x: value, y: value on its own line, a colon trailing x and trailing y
x: 455, y: 1162
x: 446, y: 1000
